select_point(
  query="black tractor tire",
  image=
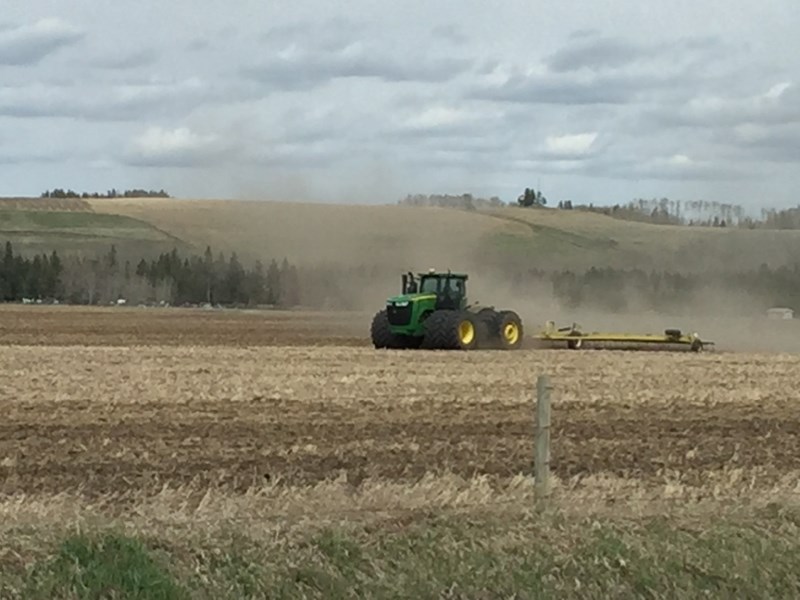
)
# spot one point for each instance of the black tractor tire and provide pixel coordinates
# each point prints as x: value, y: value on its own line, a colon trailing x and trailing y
x: 442, y: 330
x: 383, y: 338
x: 510, y: 331
x: 490, y: 319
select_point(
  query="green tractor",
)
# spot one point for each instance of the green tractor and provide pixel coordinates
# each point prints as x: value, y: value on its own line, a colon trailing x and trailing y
x: 432, y: 313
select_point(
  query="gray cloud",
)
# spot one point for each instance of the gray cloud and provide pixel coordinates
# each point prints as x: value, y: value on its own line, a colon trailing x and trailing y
x: 8, y: 157
x: 120, y: 102
x: 131, y: 60
x: 627, y: 167
x: 330, y: 35
x: 596, y: 53
x: 310, y: 70
x: 610, y: 70
x: 774, y: 143
x: 303, y: 55
x: 451, y: 34
x: 29, y: 44
x: 570, y: 90
x: 600, y: 100
x: 780, y: 104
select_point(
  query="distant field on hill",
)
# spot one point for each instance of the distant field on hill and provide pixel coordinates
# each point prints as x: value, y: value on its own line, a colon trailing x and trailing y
x: 590, y: 239
x: 313, y: 234
x: 45, y: 204
x: 80, y: 232
x: 400, y: 237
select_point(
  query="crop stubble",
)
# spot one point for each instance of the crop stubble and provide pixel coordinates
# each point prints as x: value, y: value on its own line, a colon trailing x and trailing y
x: 103, y: 419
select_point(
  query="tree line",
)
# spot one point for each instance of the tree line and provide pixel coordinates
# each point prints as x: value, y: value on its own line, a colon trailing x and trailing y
x: 217, y: 279
x: 620, y: 290
x: 112, y: 193
x: 463, y: 201
x: 531, y: 198
x: 694, y: 213
x: 169, y: 278
x: 658, y: 211
x: 36, y: 277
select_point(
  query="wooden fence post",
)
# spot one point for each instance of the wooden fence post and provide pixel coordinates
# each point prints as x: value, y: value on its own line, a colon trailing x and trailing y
x: 542, y: 462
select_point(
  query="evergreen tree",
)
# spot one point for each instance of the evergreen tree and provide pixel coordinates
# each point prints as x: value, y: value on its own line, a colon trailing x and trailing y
x: 10, y: 274
x: 289, y: 285
x: 273, y: 283
x: 235, y: 280
x: 208, y: 273
x: 256, y: 284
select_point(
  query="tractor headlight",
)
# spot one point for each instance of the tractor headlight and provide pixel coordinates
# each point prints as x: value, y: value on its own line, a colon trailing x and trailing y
x: 401, y: 303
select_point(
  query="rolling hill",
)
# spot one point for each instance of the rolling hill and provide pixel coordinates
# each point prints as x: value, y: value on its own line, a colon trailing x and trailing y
x: 392, y: 238
x: 401, y: 237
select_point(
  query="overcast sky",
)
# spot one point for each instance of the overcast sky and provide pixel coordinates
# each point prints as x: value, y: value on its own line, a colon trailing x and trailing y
x: 588, y: 100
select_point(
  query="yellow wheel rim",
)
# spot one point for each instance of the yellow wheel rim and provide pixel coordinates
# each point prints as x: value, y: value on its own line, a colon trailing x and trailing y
x: 511, y: 333
x: 466, y: 332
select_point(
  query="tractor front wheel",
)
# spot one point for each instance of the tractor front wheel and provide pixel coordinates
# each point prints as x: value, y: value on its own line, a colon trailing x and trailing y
x: 383, y: 338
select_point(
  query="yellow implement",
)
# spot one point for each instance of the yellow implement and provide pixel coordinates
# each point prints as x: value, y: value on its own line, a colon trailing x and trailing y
x: 576, y: 339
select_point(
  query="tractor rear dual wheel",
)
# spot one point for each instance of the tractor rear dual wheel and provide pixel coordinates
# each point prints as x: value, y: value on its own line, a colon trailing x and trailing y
x: 511, y: 330
x: 463, y: 330
x: 453, y: 330
x: 503, y: 329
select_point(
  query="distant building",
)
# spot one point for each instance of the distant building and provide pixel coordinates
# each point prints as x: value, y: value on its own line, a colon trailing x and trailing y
x: 780, y: 313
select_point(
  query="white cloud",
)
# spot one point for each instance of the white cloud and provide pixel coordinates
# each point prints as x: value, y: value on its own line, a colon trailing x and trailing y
x: 777, y: 90
x: 438, y: 116
x: 571, y: 145
x: 157, y: 146
x: 679, y: 160
x: 682, y: 166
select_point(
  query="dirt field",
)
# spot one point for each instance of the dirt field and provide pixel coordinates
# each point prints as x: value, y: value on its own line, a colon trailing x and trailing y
x: 123, y: 326
x: 128, y: 401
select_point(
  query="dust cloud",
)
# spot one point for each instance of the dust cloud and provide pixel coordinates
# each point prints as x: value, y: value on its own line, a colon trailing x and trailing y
x: 734, y: 322
x: 350, y: 259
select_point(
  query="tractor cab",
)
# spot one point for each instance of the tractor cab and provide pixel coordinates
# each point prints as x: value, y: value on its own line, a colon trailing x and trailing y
x: 449, y: 288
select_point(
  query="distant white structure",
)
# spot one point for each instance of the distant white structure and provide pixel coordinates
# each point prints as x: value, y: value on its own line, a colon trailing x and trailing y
x: 780, y: 313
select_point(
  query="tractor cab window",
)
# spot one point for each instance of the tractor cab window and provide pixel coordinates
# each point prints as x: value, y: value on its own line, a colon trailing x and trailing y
x: 456, y: 287
x: 429, y: 285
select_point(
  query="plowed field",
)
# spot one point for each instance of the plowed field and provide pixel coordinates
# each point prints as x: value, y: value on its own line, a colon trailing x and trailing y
x: 234, y: 401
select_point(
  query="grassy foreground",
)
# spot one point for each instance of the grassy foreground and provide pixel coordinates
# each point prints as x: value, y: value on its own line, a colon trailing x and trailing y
x: 498, y: 551
x: 431, y: 557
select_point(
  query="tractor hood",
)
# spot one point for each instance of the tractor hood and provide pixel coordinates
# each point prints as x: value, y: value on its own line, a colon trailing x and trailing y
x: 406, y: 299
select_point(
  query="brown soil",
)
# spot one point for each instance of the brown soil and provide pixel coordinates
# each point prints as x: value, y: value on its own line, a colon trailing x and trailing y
x: 189, y: 397
x: 133, y: 326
